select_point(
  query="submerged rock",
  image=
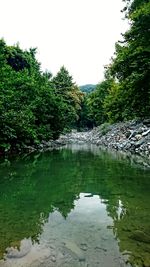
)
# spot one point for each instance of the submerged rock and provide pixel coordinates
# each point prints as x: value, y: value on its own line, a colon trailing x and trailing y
x: 84, y: 246
x: 24, y: 249
x: 72, y: 246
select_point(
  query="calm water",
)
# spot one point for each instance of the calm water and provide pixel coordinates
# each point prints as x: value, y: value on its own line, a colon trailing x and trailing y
x: 74, y: 207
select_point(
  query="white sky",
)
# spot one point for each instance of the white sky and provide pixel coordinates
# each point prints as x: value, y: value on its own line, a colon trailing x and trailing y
x: 79, y: 34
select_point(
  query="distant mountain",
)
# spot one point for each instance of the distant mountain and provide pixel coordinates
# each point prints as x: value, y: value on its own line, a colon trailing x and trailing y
x: 87, y: 88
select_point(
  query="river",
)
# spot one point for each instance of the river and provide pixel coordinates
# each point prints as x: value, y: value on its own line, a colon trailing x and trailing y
x: 75, y: 206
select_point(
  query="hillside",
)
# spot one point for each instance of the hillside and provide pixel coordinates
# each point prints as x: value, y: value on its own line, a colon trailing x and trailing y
x: 87, y: 88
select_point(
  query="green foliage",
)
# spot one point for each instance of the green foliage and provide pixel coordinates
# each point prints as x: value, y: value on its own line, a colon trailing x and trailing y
x: 84, y: 121
x: 131, y: 66
x: 125, y: 92
x: 96, y: 101
x: 113, y: 104
x: 32, y: 106
x: 62, y: 81
x: 70, y: 95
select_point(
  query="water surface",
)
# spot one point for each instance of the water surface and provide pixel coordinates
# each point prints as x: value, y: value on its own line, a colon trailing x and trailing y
x: 76, y: 206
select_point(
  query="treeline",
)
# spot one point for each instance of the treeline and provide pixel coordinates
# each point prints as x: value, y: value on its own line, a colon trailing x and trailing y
x: 34, y: 106
x: 125, y: 92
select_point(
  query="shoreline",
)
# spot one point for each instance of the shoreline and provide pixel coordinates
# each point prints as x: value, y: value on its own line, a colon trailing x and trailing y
x: 130, y: 137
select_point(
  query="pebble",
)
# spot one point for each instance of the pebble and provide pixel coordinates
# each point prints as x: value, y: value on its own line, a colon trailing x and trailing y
x: 53, y: 259
x: 84, y: 247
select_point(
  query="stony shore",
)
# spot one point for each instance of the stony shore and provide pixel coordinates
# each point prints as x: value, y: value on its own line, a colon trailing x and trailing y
x: 132, y: 136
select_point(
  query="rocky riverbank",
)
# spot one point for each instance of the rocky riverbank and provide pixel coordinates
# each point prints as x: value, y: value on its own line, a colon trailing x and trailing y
x: 132, y: 136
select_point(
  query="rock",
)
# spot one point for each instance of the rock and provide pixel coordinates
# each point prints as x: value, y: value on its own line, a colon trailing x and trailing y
x: 138, y: 136
x: 146, y: 122
x: 133, y: 139
x: 146, y: 133
x: 127, y: 134
x: 25, y: 248
x: 41, y: 146
x: 72, y: 246
x: 141, y: 130
x: 53, y: 259
x: 44, y: 143
x: 133, y: 133
x: 84, y: 246
x: 127, y: 145
x: 140, y: 142
x: 137, y: 150
x: 30, y: 148
x: 100, y: 248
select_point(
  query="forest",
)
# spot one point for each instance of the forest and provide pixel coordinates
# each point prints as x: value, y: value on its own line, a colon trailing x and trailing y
x: 36, y: 106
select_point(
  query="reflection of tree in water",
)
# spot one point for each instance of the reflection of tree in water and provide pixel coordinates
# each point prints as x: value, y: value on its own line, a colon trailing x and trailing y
x: 29, y: 190
x: 129, y: 206
x: 32, y: 188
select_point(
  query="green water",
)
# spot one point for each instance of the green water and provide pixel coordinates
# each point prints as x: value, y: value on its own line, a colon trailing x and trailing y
x: 73, y: 207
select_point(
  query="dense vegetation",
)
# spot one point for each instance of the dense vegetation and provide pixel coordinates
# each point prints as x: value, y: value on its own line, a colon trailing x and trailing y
x: 34, y: 106
x: 125, y: 92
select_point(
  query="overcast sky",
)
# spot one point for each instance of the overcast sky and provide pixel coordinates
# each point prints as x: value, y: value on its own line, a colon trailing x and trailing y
x: 79, y: 34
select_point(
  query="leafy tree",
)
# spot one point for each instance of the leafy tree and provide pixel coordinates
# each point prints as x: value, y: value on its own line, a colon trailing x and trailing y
x: 131, y: 66
x: 63, y: 82
x: 32, y: 107
x: 96, y: 101
x: 70, y: 95
x: 84, y: 121
x: 113, y: 104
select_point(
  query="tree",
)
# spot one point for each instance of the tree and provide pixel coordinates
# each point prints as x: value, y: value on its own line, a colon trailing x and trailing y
x: 32, y: 107
x: 96, y: 100
x: 84, y: 121
x: 70, y: 95
x: 131, y: 66
x: 62, y: 82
